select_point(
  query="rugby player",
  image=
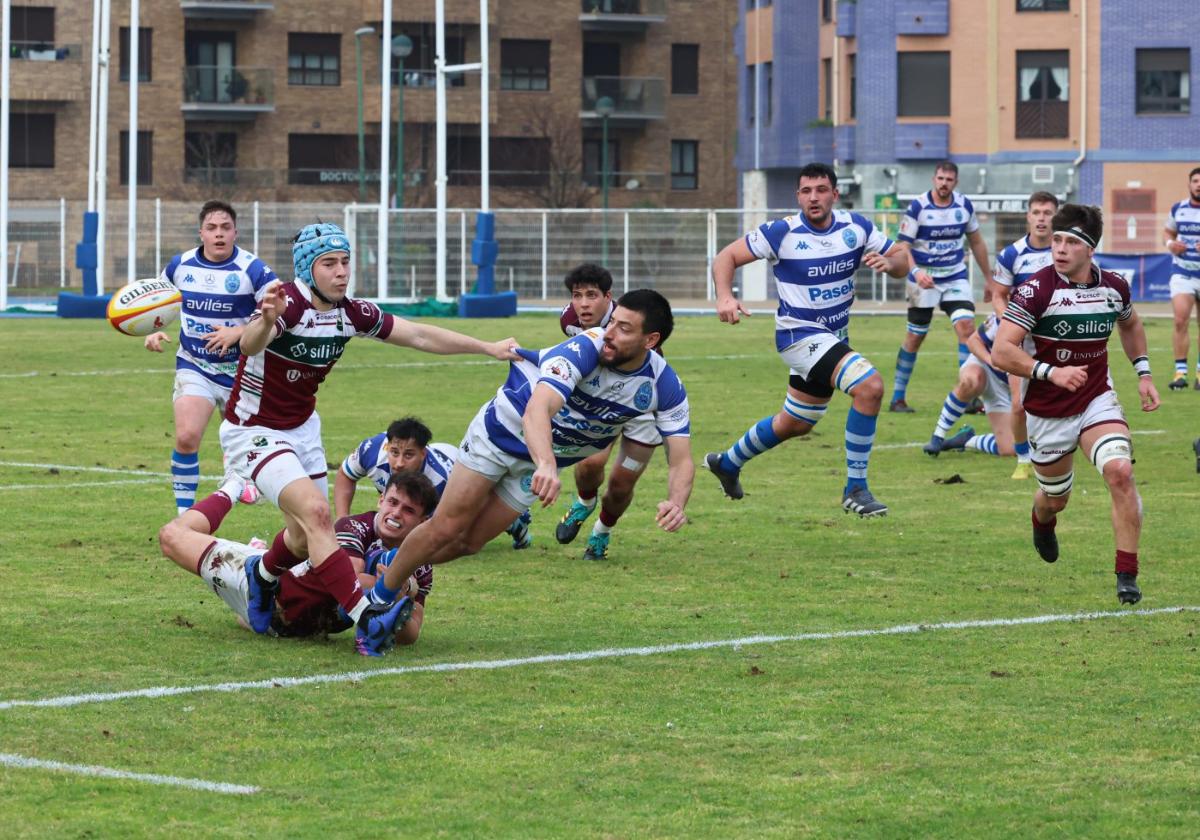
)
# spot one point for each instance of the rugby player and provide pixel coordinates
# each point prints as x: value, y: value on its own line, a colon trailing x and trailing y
x: 1183, y: 243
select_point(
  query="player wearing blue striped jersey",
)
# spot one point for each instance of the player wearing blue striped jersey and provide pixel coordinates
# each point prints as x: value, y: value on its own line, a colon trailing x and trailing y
x: 221, y: 285
x: 1183, y: 243
x: 1015, y: 264
x: 814, y: 256
x: 932, y: 229
x: 557, y: 407
x: 405, y: 446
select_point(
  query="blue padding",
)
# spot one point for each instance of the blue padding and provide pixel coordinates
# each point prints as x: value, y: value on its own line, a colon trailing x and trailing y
x: 71, y: 305
x: 484, y: 252
x: 500, y: 305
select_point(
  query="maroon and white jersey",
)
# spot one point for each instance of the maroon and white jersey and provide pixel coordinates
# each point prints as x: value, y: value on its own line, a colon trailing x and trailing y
x: 357, y: 535
x: 1069, y: 325
x: 569, y: 321
x: 277, y: 388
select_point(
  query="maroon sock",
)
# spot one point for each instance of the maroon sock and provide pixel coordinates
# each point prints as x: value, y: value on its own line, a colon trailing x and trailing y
x: 1127, y: 562
x: 1044, y: 526
x: 336, y: 576
x: 214, y: 508
x: 279, y: 558
x: 607, y: 517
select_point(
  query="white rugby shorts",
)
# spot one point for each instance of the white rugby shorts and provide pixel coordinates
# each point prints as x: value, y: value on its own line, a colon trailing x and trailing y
x: 803, y: 356
x: 189, y: 383
x: 1181, y: 284
x: 511, y: 475
x: 919, y: 298
x: 1050, y: 438
x: 223, y: 568
x: 273, y: 459
x: 995, y: 396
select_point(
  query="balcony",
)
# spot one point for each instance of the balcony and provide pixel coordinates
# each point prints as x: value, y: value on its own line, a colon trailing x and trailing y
x: 44, y: 72
x: 1043, y: 118
x: 227, y: 93
x: 420, y: 97
x: 621, y: 15
x: 224, y: 9
x: 635, y: 100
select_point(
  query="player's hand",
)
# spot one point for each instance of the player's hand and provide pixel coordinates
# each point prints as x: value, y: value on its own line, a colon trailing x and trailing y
x: 1176, y: 247
x: 670, y: 516
x: 924, y: 280
x: 154, y: 341
x: 730, y: 310
x: 1069, y: 377
x: 876, y: 261
x: 505, y: 350
x: 274, y: 302
x: 546, y: 484
x: 1148, y: 393
x: 223, y: 339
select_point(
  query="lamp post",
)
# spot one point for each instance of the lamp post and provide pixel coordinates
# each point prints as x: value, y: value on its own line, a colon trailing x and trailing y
x: 362, y: 148
x: 604, y: 107
x: 402, y: 47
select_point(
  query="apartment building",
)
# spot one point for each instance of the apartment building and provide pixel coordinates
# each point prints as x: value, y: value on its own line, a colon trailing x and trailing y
x: 256, y: 99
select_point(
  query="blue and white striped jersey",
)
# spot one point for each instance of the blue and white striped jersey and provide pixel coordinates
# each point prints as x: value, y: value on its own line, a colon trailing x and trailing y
x: 936, y: 234
x: 214, y: 296
x: 1020, y: 261
x: 1185, y: 221
x: 599, y: 400
x: 814, y: 271
x: 369, y: 460
x: 987, y: 334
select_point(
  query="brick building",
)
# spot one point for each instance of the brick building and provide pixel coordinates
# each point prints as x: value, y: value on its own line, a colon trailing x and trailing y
x: 254, y: 99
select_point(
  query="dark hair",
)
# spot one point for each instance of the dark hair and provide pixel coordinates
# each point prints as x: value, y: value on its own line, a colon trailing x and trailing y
x: 655, y: 310
x: 1087, y: 218
x: 1043, y: 197
x: 947, y: 166
x: 1194, y: 173
x: 416, y: 486
x: 410, y: 428
x: 215, y: 206
x: 588, y: 274
x: 817, y: 170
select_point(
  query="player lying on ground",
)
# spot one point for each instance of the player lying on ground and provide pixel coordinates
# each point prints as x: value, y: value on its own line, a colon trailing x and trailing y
x: 302, y: 608
x: 557, y: 407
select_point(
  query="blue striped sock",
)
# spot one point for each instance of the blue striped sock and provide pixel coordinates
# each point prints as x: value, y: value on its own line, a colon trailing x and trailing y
x: 963, y: 353
x: 758, y: 439
x: 984, y: 443
x: 860, y: 437
x: 185, y: 478
x: 905, y: 362
x: 1181, y: 366
x: 952, y: 409
x: 1022, y: 450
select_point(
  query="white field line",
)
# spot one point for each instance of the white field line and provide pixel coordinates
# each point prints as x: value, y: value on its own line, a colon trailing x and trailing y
x: 110, y: 773
x: 76, y: 484
x: 108, y: 470
x: 577, y: 656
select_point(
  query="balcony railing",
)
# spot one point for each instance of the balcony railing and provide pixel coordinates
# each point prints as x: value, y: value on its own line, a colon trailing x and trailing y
x: 621, y: 14
x: 225, y: 92
x: 632, y: 98
x: 1043, y: 118
x: 224, y: 9
x: 42, y: 51
x: 628, y: 180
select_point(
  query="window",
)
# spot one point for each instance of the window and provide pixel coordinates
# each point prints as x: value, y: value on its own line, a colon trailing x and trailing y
x: 1043, y: 5
x: 593, y: 163
x: 827, y: 87
x: 209, y: 157
x: 826, y: 10
x: 768, y: 76
x: 314, y: 59
x: 418, y: 67
x: 751, y: 101
x: 685, y: 68
x: 524, y: 65
x: 683, y: 165
x: 31, y: 141
x: 329, y: 158
x: 1042, y: 93
x: 1163, y: 84
x: 853, y: 61
x: 145, y: 155
x: 32, y: 26
x: 924, y: 84
x: 144, y: 41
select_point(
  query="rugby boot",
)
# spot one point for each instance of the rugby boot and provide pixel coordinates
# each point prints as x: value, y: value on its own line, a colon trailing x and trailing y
x: 901, y: 407
x: 375, y: 633
x: 260, y: 603
x: 860, y: 501
x: 730, y: 482
x: 519, y: 531
x: 1127, y: 588
x: 1196, y: 449
x: 959, y: 441
x: 976, y: 407
x: 934, y: 447
x: 568, y: 527
x: 1197, y: 385
x: 1023, y: 470
x: 1179, y: 383
x: 597, y: 547
x: 1045, y: 541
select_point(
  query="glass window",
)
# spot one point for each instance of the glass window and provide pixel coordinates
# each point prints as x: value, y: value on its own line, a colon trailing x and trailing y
x: 31, y: 141
x: 684, y: 167
x: 593, y: 161
x: 1043, y: 5
x: 1163, y: 81
x: 32, y: 27
x: 524, y: 65
x: 827, y: 87
x: 1043, y: 93
x: 768, y: 76
x: 826, y: 10
x: 145, y: 161
x: 418, y: 67
x: 314, y: 59
x: 685, y: 68
x: 853, y: 60
x: 144, y: 40
x: 924, y: 84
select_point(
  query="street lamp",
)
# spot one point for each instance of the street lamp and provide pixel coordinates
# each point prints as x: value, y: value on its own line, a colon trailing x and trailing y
x: 604, y: 107
x: 402, y: 47
x: 362, y: 148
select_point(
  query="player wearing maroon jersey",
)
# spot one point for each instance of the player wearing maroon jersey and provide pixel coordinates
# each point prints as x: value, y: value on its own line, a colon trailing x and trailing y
x: 303, y: 608
x: 1070, y: 309
x: 272, y: 434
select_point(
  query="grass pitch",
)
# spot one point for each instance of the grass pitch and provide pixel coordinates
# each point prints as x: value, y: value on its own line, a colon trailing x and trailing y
x: 1080, y: 728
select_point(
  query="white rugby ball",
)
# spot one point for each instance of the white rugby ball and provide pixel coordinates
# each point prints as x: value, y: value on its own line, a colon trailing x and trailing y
x: 144, y: 306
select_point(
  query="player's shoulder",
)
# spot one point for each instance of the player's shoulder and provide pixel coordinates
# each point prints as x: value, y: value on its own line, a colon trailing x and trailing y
x: 965, y: 202
x: 1114, y: 280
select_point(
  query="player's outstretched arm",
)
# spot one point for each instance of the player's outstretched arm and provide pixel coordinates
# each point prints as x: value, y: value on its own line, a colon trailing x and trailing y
x: 894, y: 262
x: 681, y: 473
x: 543, y: 404
x: 260, y: 329
x: 154, y: 341
x: 343, y: 494
x: 732, y: 256
x: 443, y: 342
x: 1133, y: 341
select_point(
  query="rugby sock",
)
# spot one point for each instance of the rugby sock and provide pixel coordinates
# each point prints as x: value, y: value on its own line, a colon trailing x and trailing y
x: 278, y: 559
x: 963, y: 353
x: 758, y: 439
x: 1022, y: 448
x: 1127, y: 562
x: 952, y: 410
x: 905, y: 362
x: 185, y: 478
x: 606, y: 521
x: 336, y: 576
x: 589, y: 502
x: 984, y: 443
x: 380, y: 594
x: 214, y: 508
x: 860, y: 437
x: 1181, y: 367
x: 1043, y: 526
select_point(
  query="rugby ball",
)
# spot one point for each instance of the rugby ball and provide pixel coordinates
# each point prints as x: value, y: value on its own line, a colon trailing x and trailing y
x: 144, y: 306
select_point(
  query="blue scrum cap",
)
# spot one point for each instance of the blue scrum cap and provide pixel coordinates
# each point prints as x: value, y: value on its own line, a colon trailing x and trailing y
x: 311, y: 242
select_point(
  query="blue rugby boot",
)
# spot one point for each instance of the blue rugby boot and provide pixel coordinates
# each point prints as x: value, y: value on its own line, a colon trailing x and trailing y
x: 375, y: 633
x: 260, y: 605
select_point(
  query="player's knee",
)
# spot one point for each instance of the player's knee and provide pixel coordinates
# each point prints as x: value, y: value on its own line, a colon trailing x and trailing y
x: 1056, y: 488
x: 1118, y: 475
x: 869, y: 389
x: 589, y: 473
x: 622, y: 481
x: 187, y: 441
x: 315, y: 516
x: 168, y: 537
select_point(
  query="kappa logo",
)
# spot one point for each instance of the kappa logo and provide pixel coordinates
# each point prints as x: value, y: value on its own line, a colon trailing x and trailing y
x: 803, y: 246
x: 233, y: 282
x: 814, y: 347
x: 188, y: 278
x: 575, y: 348
x: 1063, y: 354
x: 594, y: 382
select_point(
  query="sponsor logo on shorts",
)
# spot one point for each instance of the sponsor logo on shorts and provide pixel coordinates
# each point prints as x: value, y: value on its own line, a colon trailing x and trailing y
x: 260, y: 441
x: 527, y: 483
